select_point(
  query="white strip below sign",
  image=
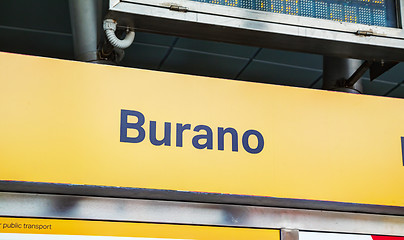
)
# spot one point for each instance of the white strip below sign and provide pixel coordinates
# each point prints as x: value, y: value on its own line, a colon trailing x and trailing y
x: 341, y: 236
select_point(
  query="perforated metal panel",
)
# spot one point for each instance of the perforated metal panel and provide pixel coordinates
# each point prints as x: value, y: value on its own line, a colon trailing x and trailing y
x: 370, y: 12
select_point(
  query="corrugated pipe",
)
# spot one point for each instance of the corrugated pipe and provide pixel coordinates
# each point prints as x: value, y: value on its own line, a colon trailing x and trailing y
x: 110, y: 27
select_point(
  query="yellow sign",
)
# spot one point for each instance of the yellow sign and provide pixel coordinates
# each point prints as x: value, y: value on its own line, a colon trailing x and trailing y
x: 51, y: 229
x: 80, y: 123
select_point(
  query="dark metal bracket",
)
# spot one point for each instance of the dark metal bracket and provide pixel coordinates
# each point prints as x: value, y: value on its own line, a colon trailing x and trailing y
x: 358, y: 74
x: 375, y: 69
x: 378, y: 68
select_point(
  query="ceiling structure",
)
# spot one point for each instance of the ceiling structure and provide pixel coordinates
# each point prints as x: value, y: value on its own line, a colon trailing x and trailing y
x: 43, y: 28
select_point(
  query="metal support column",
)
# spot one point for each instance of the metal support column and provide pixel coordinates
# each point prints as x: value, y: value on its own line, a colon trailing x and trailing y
x: 86, y: 23
x: 337, y: 71
x: 289, y: 234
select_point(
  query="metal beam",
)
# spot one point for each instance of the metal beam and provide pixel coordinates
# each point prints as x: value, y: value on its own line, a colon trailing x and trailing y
x: 187, y: 196
x: 153, y: 211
